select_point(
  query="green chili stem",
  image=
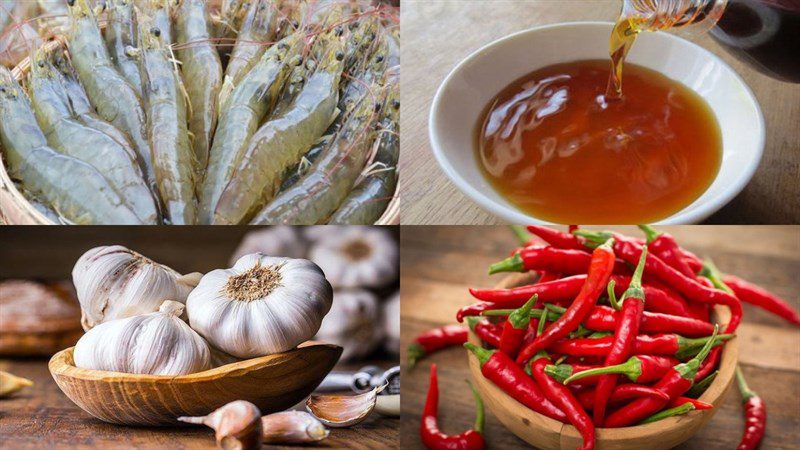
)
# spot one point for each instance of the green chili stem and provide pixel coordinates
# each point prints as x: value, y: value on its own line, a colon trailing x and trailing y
x: 650, y: 233
x: 482, y: 354
x: 632, y: 368
x: 480, y: 412
x: 542, y: 321
x: 676, y: 411
x: 701, y: 386
x: 521, y: 316
x: 512, y: 264
x: 711, y: 272
x: 612, y: 296
x: 521, y: 233
x: 747, y: 394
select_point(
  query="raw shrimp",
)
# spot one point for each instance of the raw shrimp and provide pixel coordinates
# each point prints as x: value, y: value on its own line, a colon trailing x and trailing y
x: 173, y: 157
x: 248, y: 104
x: 121, y: 40
x: 74, y: 188
x: 112, y: 96
x: 281, y: 141
x: 260, y: 26
x: 367, y: 202
x: 317, y: 195
x: 202, y: 74
x: 296, y: 172
x: 68, y: 136
x: 159, y: 13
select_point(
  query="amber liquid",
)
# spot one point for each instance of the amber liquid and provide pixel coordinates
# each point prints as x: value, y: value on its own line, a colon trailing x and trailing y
x: 553, y: 146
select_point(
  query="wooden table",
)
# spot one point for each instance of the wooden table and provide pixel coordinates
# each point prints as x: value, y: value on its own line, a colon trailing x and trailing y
x: 438, y: 34
x: 439, y: 263
x: 43, y: 417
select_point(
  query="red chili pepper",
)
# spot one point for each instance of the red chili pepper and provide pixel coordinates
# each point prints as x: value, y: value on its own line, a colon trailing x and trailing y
x: 698, y: 405
x: 661, y: 344
x: 599, y: 273
x: 435, y: 339
x: 429, y: 427
x: 622, y: 393
x: 639, y: 369
x: 665, y: 247
x: 689, y: 287
x: 709, y: 365
x: 755, y: 415
x: 488, y: 332
x: 498, y: 368
x: 674, y: 383
x: 557, y: 239
x: 750, y: 293
x: 564, y: 399
x: 475, y: 309
x: 553, y: 259
x: 515, y: 328
x: 546, y: 276
x: 632, y: 307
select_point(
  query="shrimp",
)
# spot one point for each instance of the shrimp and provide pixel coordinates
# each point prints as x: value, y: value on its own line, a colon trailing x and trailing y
x: 281, y: 141
x: 74, y: 188
x: 251, y: 100
x: 121, y: 40
x: 173, y: 157
x: 260, y: 26
x: 159, y: 12
x: 112, y: 96
x: 331, y: 178
x: 367, y: 202
x: 202, y: 74
x: 70, y: 137
x: 54, y: 15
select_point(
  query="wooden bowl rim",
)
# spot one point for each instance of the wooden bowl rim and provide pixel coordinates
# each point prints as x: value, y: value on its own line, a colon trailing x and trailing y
x: 713, y: 393
x: 26, y: 214
x: 61, y: 364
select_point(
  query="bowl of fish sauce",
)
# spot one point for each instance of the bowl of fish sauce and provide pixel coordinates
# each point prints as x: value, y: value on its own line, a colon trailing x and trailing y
x: 532, y: 128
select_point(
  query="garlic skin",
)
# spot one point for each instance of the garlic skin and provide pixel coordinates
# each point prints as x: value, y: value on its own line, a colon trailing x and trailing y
x: 113, y: 282
x: 354, y: 323
x: 158, y: 343
x: 357, y: 257
x: 391, y: 324
x: 279, y: 240
x: 260, y: 306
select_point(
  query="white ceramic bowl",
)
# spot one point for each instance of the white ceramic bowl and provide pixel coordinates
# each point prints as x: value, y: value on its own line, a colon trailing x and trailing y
x: 466, y: 91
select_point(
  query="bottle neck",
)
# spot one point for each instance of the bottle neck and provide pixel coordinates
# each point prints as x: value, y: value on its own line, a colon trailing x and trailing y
x: 694, y: 16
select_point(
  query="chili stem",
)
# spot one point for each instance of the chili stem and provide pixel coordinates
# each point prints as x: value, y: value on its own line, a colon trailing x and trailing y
x: 676, y: 411
x: 521, y: 233
x: 747, y: 394
x: 700, y: 387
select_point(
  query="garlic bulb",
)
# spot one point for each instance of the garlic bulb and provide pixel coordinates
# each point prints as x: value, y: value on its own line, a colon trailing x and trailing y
x: 279, y: 240
x: 391, y: 324
x: 158, y: 343
x: 354, y: 323
x: 114, y: 282
x: 262, y: 305
x: 357, y: 257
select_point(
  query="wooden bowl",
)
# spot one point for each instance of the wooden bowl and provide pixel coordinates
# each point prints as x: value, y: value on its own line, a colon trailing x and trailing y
x: 546, y: 433
x: 273, y: 383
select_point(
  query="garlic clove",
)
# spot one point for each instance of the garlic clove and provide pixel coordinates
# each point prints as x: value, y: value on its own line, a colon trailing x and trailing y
x: 340, y: 411
x: 237, y: 425
x: 190, y: 280
x: 292, y: 427
x: 10, y: 384
x: 388, y: 405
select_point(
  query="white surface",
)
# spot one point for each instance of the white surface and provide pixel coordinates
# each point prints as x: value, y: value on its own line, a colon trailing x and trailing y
x: 465, y: 92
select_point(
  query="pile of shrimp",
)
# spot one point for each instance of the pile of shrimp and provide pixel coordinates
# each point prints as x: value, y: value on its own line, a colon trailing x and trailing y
x: 197, y: 112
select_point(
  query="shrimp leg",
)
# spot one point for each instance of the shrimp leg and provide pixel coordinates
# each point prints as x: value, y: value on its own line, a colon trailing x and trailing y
x: 74, y: 188
x: 202, y: 74
x: 112, y: 96
x: 121, y: 39
x: 173, y: 157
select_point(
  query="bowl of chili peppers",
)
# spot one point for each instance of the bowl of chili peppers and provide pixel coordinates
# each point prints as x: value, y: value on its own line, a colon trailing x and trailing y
x: 601, y: 340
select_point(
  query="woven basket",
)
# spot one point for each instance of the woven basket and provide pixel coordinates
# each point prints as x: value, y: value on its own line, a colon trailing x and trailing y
x: 15, y: 209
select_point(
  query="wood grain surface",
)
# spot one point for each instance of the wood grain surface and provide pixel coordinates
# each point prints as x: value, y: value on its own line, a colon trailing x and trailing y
x: 438, y: 34
x: 439, y: 263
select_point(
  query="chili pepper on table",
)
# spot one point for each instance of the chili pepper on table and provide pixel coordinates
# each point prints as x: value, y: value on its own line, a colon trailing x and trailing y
x: 755, y: 414
x: 622, y: 393
x: 750, y: 293
x: 688, y: 287
x: 660, y: 344
x: 698, y: 405
x: 435, y: 339
x: 639, y: 369
x: 488, y: 332
x: 700, y: 386
x: 429, y: 431
x: 564, y: 399
x: 515, y: 328
x: 553, y: 259
x: 674, y: 383
x: 557, y: 239
x: 671, y: 412
x: 665, y: 247
x: 602, y: 265
x: 501, y: 370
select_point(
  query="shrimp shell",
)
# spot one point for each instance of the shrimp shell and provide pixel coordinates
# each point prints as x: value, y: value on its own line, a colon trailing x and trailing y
x: 111, y: 95
x: 202, y: 74
x: 173, y: 157
x: 159, y: 13
x: 241, y: 115
x: 315, y: 197
x: 281, y: 142
x: 70, y: 137
x: 74, y: 188
x: 121, y: 38
x: 259, y: 28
